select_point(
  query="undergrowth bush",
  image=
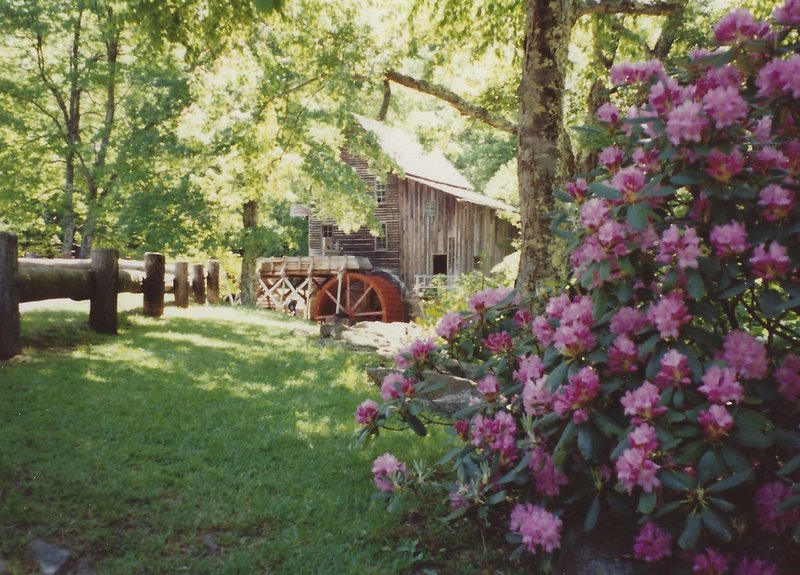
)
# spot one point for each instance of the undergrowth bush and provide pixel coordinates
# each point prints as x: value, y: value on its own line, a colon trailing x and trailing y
x: 660, y: 391
x: 442, y: 298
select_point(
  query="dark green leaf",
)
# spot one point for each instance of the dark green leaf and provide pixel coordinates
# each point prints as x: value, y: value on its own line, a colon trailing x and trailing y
x: 676, y: 481
x: 749, y: 420
x: 769, y: 302
x: 592, y: 514
x: 734, y: 459
x: 691, y: 531
x: 557, y: 376
x: 707, y: 467
x: 751, y: 439
x: 717, y: 524
x: 415, y: 424
x: 667, y: 508
x: 647, y: 502
x: 496, y: 498
x: 722, y: 504
x: 608, y: 427
x: 604, y: 191
x: 790, y: 466
x: 687, y: 178
x: 563, y: 196
x: 566, y: 439
x: 638, y: 216
x: 789, y: 504
x: 587, y: 444
x: 511, y: 475
x: 697, y: 288
x: 730, y: 482
x: 733, y: 291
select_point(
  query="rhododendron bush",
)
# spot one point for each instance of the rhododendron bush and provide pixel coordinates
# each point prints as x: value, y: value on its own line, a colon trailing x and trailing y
x: 660, y: 392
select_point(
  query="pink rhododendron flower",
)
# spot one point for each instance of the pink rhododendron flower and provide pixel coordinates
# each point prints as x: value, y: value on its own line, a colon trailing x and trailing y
x: 776, y: 202
x: 727, y: 76
x: 722, y: 167
x: 762, y: 130
x: 665, y: 94
x: 636, y: 72
x: 686, y: 123
x: 542, y: 330
x: 679, y: 248
x: 627, y: 320
x: 367, y: 412
x: 652, y: 544
x: 710, y: 563
x: 401, y: 361
x: 739, y: 25
x: 745, y: 354
x: 669, y: 314
x: 594, y: 213
x: 536, y: 398
x: 387, y: 471
x: 611, y: 157
x: 725, y: 106
x: 394, y: 385
x: 488, y: 298
x: 573, y: 339
x: 674, y: 370
x: 634, y: 467
x: 583, y: 387
x: 461, y: 427
x: 756, y: 567
x: 791, y: 150
x: 779, y: 77
x: 768, y: 159
x: 608, y: 113
x: 642, y: 403
x: 729, y: 239
x: 530, y: 368
x: 716, y: 422
x: 770, y: 263
x: 648, y: 161
x: 644, y: 437
x: 496, y: 434
x: 421, y: 348
x: 449, y: 325
x: 498, y: 342
x: 768, y: 498
x: 789, y: 13
x: 623, y: 355
x: 540, y: 529
x: 488, y: 386
x: 629, y: 181
x: 548, y: 478
x: 788, y: 377
x: 578, y: 189
x: 721, y: 386
x: 523, y: 318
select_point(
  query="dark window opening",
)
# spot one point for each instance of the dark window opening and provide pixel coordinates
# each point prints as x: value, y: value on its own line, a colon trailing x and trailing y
x: 327, y: 231
x: 380, y: 241
x: 440, y: 264
x: 380, y: 192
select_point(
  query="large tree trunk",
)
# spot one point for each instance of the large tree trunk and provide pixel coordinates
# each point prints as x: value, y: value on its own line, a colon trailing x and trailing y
x: 544, y: 154
x: 249, y: 280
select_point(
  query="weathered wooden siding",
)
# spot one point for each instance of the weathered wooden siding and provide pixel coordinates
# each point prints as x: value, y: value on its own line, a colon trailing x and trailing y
x: 422, y: 221
x: 459, y: 229
x: 362, y: 242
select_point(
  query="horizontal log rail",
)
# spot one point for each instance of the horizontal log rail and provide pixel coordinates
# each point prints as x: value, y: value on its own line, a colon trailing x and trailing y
x: 99, y: 280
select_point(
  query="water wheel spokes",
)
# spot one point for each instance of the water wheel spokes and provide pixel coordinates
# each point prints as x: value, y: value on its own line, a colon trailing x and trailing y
x: 359, y: 297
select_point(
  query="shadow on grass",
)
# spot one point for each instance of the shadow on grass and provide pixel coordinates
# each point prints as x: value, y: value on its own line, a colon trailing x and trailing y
x: 206, y: 446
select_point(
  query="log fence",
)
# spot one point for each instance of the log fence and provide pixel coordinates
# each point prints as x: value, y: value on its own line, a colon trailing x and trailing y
x: 99, y: 280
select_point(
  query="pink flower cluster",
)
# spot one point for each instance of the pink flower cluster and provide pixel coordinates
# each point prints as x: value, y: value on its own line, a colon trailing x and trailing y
x: 716, y: 422
x: 496, y: 434
x: 576, y: 396
x: 652, y: 544
x: 540, y: 529
x: 367, y: 412
x: 720, y: 385
x: 547, y: 477
x: 449, y: 325
x: 710, y: 562
x: 788, y: 377
x: 388, y: 471
x: 674, y: 370
x: 642, y: 403
x: 487, y: 298
x: 669, y: 314
x: 768, y: 498
x: 395, y: 385
x: 498, y: 342
x: 745, y: 354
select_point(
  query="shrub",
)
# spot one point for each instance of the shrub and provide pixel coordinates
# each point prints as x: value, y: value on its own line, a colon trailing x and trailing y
x: 661, y: 389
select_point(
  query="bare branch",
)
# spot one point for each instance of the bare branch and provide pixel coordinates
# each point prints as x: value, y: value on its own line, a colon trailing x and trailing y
x: 466, y: 108
x: 387, y: 96
x: 637, y: 7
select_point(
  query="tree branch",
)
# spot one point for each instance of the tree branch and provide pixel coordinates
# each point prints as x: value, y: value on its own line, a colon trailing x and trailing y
x: 387, y: 96
x: 637, y: 7
x: 466, y: 108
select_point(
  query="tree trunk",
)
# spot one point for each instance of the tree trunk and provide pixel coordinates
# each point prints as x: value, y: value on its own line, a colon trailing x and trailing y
x: 94, y: 195
x: 543, y: 157
x: 249, y: 279
x: 10, y: 342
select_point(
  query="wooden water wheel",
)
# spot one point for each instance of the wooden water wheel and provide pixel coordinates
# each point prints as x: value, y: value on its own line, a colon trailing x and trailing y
x: 360, y: 297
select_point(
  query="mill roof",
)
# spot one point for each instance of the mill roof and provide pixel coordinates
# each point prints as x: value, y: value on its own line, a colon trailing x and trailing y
x: 428, y: 167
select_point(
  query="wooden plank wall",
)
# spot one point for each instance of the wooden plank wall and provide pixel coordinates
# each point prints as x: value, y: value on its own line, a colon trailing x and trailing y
x: 362, y: 242
x: 413, y: 238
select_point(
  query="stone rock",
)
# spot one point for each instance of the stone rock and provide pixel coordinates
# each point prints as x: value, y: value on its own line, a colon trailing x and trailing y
x: 52, y: 560
x: 211, y: 543
x: 85, y: 569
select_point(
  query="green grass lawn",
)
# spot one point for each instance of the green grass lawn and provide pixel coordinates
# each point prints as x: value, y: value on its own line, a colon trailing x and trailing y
x: 212, y: 440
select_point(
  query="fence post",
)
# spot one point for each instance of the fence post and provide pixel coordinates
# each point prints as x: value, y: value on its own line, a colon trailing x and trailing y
x: 153, y: 287
x: 180, y: 285
x: 213, y: 281
x: 199, y: 283
x: 10, y: 342
x: 103, y: 306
